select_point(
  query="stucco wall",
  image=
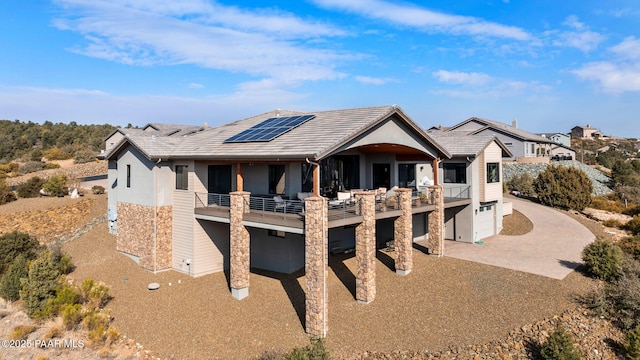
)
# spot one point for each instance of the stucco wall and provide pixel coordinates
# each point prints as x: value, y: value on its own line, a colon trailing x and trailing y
x: 281, y: 254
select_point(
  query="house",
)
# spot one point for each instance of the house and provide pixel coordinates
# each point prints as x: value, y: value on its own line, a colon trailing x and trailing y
x: 477, y: 162
x: 558, y: 138
x: 150, y: 129
x: 585, y: 132
x: 281, y: 190
x: 523, y: 145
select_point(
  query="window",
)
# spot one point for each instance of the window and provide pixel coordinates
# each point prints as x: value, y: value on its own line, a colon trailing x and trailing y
x: 128, y: 175
x: 455, y: 173
x: 407, y: 175
x: 276, y: 179
x: 182, y: 177
x: 533, y: 149
x: 508, y: 144
x: 493, y: 173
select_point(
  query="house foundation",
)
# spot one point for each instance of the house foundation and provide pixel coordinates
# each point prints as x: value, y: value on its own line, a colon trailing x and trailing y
x: 403, y: 235
x: 239, y: 246
x: 316, y: 262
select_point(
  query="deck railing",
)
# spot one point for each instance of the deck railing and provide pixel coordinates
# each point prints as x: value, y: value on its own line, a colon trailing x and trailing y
x: 457, y: 192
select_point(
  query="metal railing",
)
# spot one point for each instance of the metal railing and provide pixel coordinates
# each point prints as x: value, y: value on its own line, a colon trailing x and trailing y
x: 339, y: 210
x: 210, y: 200
x: 284, y: 207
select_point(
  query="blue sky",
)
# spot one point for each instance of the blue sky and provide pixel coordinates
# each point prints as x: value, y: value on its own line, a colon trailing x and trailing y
x: 550, y: 64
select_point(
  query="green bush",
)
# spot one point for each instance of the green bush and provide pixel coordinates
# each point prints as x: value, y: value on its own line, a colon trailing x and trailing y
x: 623, y: 295
x: 84, y: 156
x: 71, y: 315
x: 602, y: 203
x: 632, y: 211
x: 10, y: 284
x: 94, y: 295
x: 14, y: 244
x: 40, y: 285
x: 9, y: 168
x: 57, y: 154
x: 603, y: 259
x: 6, y: 195
x: 56, y: 185
x: 631, y: 246
x: 30, y: 188
x: 97, y: 189
x: 31, y: 166
x: 521, y: 183
x: 612, y: 223
x: 633, y: 225
x: 316, y: 350
x: 51, y: 165
x: 559, y: 346
x: 36, y: 155
x: 563, y: 187
x: 632, y: 344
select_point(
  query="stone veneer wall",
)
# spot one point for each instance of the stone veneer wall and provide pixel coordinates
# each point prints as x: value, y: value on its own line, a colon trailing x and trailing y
x: 366, y: 248
x: 316, y: 262
x: 403, y: 233
x: 435, y: 240
x: 239, y: 246
x: 136, y: 230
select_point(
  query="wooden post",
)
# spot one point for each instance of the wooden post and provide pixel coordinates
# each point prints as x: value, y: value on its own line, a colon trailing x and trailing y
x: 435, y: 170
x: 239, y: 178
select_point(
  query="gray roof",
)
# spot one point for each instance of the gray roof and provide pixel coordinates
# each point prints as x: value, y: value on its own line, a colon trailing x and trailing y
x: 159, y: 130
x: 466, y: 143
x: 502, y: 128
x: 317, y: 138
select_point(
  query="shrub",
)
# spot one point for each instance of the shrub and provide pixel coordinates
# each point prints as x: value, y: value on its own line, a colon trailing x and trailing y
x: 51, y: 165
x: 559, y: 346
x: 40, y: 285
x: 623, y: 295
x: 603, y: 259
x: 62, y: 261
x: 633, y: 225
x: 612, y: 223
x: 10, y: 284
x: 84, y: 156
x: 631, y: 246
x: 316, y: 350
x: 31, y: 166
x: 30, y: 188
x: 94, y: 295
x: 97, y: 189
x: 71, y: 315
x: 21, y: 332
x: 632, y: 344
x: 632, y: 211
x: 14, y: 244
x: 6, y: 195
x: 56, y: 185
x: 36, y: 155
x: 56, y: 154
x: 9, y: 168
x: 629, y: 193
x: 602, y: 203
x: 521, y: 183
x: 563, y: 187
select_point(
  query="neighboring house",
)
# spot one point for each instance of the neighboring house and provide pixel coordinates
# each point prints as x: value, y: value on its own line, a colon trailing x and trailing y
x: 154, y: 129
x: 585, y: 132
x: 477, y: 162
x: 558, y: 138
x: 523, y: 145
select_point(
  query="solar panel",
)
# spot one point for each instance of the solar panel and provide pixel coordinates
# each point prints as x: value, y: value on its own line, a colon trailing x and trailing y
x: 269, y: 129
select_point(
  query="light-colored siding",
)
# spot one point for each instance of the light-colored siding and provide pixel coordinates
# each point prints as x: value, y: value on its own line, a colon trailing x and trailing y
x: 183, y: 224
x: 211, y: 247
x: 493, y: 191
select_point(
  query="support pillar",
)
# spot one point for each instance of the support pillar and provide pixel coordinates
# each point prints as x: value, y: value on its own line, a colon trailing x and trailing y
x: 366, y: 248
x: 316, y: 262
x: 239, y: 246
x: 435, y: 241
x: 403, y: 233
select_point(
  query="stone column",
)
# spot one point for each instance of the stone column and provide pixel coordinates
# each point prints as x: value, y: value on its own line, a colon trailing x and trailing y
x: 239, y: 247
x: 316, y: 262
x: 366, y: 248
x: 435, y: 241
x: 403, y: 233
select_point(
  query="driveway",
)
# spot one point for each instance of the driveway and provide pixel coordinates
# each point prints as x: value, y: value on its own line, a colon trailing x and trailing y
x: 551, y: 249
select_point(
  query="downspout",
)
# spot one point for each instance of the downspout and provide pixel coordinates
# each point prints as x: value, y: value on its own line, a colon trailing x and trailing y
x: 316, y: 177
x: 155, y: 216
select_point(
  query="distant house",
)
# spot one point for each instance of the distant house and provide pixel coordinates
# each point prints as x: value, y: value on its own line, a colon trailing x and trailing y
x: 585, y: 132
x: 151, y: 129
x: 522, y: 145
x: 477, y: 162
x: 559, y: 138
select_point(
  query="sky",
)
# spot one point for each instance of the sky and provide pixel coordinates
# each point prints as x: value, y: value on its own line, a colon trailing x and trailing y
x: 550, y: 64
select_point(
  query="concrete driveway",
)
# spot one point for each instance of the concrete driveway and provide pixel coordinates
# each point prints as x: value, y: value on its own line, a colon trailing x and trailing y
x: 551, y: 249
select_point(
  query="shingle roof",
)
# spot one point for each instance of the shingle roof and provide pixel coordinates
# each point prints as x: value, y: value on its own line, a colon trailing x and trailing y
x: 503, y: 128
x: 466, y: 143
x: 314, y: 139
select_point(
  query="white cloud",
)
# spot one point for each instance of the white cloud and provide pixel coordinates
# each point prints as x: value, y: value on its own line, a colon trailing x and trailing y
x: 204, y: 34
x: 582, y: 39
x: 458, y: 77
x: 411, y: 15
x: 195, y: 86
x: 629, y: 48
x: 372, y: 80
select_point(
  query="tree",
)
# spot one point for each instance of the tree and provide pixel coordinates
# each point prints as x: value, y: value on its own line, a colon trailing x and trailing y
x: 10, y: 284
x: 14, y: 244
x: 563, y: 187
x: 40, y: 285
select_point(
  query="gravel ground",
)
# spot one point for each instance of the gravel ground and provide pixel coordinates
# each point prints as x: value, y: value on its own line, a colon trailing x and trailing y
x: 444, y: 302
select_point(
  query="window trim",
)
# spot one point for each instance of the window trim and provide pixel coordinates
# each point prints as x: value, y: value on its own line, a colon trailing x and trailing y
x: 182, y: 177
x: 459, y: 168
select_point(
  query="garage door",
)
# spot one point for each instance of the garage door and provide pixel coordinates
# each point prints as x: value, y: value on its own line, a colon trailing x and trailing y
x: 485, y: 224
